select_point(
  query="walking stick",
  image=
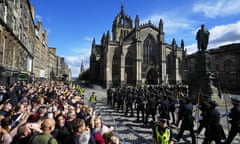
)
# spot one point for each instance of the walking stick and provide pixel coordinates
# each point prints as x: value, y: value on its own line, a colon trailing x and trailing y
x: 225, y: 100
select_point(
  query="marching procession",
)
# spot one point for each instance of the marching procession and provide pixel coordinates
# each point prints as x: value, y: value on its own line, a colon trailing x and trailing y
x: 165, y: 108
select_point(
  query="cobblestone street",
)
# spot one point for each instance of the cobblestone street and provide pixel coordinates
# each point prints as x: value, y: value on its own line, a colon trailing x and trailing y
x: 131, y: 132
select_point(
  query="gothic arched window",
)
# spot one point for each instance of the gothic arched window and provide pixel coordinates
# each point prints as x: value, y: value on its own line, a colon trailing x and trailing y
x: 148, y: 51
x: 169, y: 64
x: 129, y: 60
x: 129, y: 67
x: 115, y: 64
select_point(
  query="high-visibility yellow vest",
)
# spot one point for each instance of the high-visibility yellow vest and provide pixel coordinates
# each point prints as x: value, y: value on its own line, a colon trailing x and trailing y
x: 164, y: 137
x: 92, y: 99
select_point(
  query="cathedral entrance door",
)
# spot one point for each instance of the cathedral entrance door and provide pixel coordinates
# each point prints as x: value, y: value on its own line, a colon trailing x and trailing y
x: 152, y: 77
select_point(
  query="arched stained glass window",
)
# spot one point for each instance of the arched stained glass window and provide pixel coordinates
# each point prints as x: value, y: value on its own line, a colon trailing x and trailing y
x: 148, y: 51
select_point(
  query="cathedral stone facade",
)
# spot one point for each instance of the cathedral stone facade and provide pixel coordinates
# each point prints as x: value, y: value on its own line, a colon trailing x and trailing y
x: 136, y: 55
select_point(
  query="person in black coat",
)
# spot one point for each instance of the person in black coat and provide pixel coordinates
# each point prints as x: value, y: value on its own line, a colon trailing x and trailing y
x: 110, y: 93
x: 151, y: 106
x: 120, y: 99
x: 203, y: 106
x: 187, y: 119
x: 234, y: 115
x: 214, y: 130
x: 140, y: 100
x: 129, y: 102
x: 61, y: 131
x: 12, y: 93
x: 164, y: 107
x: 172, y: 108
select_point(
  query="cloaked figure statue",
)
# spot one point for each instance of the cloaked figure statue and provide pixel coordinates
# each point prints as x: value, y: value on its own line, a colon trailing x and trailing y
x: 202, y: 38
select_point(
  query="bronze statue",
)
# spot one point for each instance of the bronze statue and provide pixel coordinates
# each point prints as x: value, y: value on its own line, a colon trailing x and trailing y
x: 202, y: 38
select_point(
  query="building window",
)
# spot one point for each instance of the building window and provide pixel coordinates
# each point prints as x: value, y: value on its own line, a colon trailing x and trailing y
x: 148, y: 51
x: 115, y: 69
x: 169, y: 64
x: 129, y: 67
x: 227, y: 65
x: 129, y: 60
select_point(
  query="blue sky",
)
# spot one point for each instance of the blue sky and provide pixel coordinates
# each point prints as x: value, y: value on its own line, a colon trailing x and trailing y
x: 73, y: 24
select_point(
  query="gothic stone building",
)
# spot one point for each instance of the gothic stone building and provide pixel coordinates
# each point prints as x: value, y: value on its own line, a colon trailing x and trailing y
x: 136, y: 55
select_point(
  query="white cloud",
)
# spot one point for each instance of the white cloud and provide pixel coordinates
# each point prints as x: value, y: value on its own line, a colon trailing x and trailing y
x: 88, y: 38
x: 81, y: 51
x: 172, y: 24
x: 74, y: 63
x: 224, y: 33
x: 191, y: 48
x: 214, y: 8
x: 38, y: 18
x: 220, y: 35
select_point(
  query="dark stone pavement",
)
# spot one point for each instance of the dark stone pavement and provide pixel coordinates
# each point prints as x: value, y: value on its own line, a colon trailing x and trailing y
x: 131, y: 132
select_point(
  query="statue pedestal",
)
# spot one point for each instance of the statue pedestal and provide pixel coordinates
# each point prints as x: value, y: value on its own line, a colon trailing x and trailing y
x: 203, y: 80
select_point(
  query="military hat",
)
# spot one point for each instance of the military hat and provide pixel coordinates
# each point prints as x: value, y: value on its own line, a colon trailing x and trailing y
x: 235, y: 99
x: 162, y: 119
x: 213, y: 103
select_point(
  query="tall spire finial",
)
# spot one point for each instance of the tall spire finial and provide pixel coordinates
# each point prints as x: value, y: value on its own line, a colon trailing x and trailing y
x: 122, y: 8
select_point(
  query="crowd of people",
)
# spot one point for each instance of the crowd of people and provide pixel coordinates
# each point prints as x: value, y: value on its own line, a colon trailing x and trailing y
x: 56, y: 113
x: 175, y: 108
x: 50, y: 113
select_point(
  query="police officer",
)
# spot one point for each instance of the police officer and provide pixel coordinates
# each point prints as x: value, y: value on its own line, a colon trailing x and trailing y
x: 129, y: 102
x: 93, y: 100
x: 162, y: 134
x: 234, y: 115
x: 214, y: 130
x: 187, y: 119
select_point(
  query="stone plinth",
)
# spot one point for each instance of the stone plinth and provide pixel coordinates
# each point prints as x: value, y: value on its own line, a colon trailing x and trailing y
x: 203, y: 81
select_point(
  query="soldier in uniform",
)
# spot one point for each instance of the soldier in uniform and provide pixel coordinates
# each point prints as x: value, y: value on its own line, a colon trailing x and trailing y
x: 164, y: 107
x: 234, y: 115
x: 187, y: 119
x: 109, y: 96
x: 129, y: 102
x: 151, y: 106
x: 203, y: 106
x: 172, y: 108
x: 214, y: 130
x: 140, y: 100
x: 120, y: 99
x: 115, y: 97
